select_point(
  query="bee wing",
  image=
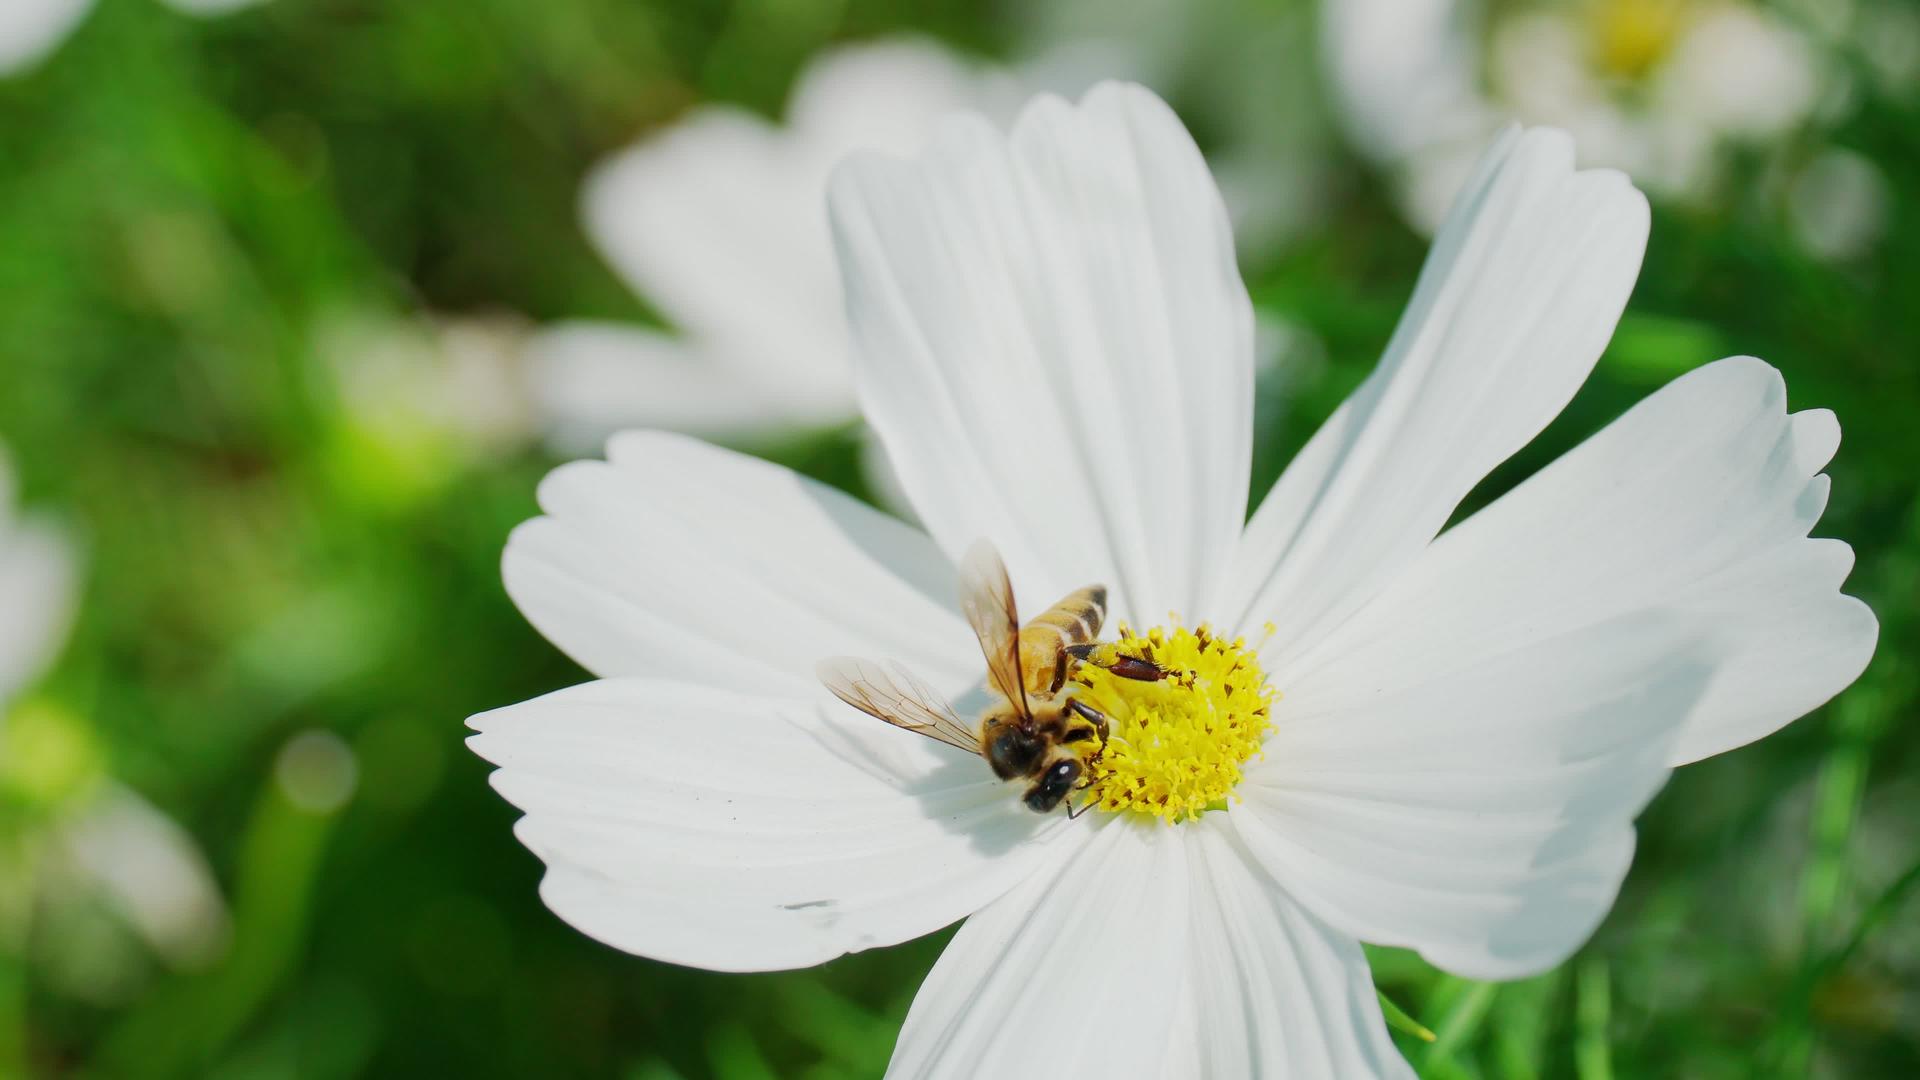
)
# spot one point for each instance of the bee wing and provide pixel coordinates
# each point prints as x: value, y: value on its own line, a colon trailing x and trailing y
x: 986, y: 595
x: 895, y: 695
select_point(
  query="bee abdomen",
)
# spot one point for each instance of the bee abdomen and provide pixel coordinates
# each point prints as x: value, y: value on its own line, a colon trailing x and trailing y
x: 1076, y: 618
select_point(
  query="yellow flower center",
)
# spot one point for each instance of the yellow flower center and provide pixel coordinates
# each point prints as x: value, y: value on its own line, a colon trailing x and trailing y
x: 1631, y: 37
x: 1175, y: 747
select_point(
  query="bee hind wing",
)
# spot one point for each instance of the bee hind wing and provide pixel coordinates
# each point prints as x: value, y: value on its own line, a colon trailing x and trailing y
x: 894, y: 694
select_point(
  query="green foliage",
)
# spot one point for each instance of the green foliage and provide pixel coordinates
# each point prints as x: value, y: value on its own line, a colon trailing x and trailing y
x: 190, y: 213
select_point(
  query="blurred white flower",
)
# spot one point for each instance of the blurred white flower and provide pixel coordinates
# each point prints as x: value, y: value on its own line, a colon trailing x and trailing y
x: 1657, y: 88
x: 149, y: 870
x: 423, y: 397
x: 452, y: 374
x: 1435, y: 740
x: 101, y: 839
x: 36, y: 593
x: 1240, y: 66
x: 720, y: 222
x: 1887, y: 33
x: 32, y: 29
x: 1838, y: 204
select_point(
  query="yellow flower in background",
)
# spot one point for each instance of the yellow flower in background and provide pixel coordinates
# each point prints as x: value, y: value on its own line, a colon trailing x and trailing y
x: 1661, y: 90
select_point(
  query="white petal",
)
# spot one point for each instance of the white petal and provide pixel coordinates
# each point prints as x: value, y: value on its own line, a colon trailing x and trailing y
x: 1275, y: 992
x: 1697, y: 502
x: 683, y: 560
x: 885, y: 96
x: 742, y: 833
x: 1055, y: 344
x: 719, y: 222
x: 1518, y: 297
x: 1789, y: 639
x: 595, y: 379
x: 1404, y: 73
x: 30, y: 29
x: 1475, y: 804
x: 152, y: 871
x: 36, y: 597
x: 1072, y: 974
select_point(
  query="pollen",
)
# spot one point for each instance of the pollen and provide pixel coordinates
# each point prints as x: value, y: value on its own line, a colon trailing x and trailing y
x: 1175, y: 747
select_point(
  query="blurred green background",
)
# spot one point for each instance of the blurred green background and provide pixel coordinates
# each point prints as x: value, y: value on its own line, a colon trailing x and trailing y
x: 237, y: 252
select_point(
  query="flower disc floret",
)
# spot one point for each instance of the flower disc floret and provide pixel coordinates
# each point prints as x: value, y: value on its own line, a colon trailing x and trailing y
x: 1175, y: 747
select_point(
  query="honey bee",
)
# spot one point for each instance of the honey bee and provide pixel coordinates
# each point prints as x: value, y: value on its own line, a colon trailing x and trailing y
x: 1037, y: 729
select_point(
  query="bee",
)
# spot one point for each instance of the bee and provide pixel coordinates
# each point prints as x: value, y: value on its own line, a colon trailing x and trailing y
x: 1036, y: 729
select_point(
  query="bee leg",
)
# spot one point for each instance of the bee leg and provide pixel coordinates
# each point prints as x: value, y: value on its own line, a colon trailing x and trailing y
x: 1127, y: 667
x: 1090, y: 714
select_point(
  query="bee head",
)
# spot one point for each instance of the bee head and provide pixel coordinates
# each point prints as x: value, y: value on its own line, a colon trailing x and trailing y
x: 1012, y: 749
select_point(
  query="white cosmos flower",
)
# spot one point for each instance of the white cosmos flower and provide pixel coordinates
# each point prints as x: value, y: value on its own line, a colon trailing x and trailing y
x: 1056, y: 347
x: 31, y: 29
x: 1657, y: 88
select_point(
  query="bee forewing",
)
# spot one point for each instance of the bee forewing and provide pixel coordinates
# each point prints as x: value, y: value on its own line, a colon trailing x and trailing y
x: 894, y: 694
x: 986, y: 595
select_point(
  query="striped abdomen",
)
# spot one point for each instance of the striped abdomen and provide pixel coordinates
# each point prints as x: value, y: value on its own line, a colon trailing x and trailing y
x: 1075, y: 620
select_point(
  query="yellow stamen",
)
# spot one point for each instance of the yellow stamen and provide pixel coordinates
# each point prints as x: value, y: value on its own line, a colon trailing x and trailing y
x: 1175, y: 747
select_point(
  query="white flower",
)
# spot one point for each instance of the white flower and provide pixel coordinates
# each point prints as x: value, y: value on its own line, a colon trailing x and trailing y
x: 127, y: 852
x: 1056, y: 347
x: 1656, y: 88
x: 721, y: 213
x: 31, y: 29
x: 36, y: 594
x: 107, y: 841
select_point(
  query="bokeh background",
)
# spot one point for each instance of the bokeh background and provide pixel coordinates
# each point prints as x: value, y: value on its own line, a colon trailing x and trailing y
x: 299, y: 299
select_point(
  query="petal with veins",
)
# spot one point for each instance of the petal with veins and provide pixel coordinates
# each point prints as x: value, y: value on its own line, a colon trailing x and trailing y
x: 678, y: 559
x: 1069, y: 974
x: 1275, y: 992
x: 1476, y: 804
x: 742, y: 833
x: 1055, y: 345
x: 1697, y: 502
x: 1517, y: 299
